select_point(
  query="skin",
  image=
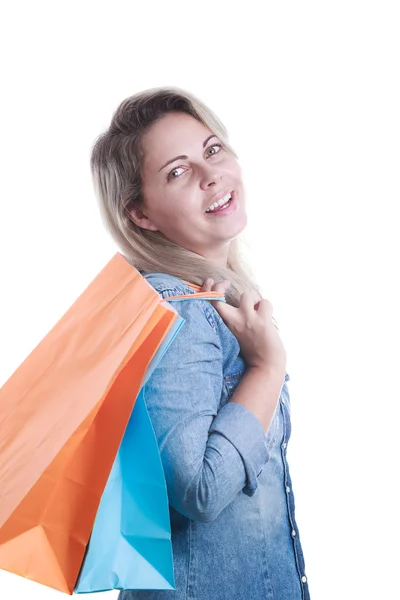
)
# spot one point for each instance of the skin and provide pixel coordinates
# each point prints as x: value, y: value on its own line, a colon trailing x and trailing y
x: 176, y: 206
x: 176, y: 196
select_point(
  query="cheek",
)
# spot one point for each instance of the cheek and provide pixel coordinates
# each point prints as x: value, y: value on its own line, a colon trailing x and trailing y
x: 183, y: 204
x: 183, y: 216
x: 234, y: 170
x: 237, y: 171
x: 176, y: 213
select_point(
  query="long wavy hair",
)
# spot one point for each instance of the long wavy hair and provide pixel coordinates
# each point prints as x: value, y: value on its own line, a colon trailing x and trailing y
x: 116, y: 166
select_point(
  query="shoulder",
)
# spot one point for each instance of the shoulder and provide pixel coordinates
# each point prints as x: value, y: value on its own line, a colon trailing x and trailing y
x: 190, y: 309
x: 164, y: 282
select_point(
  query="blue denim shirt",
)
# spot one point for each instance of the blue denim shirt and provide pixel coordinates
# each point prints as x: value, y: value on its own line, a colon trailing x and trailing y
x: 232, y: 510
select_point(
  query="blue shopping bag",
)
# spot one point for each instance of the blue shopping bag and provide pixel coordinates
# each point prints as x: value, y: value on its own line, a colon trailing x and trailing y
x: 130, y: 546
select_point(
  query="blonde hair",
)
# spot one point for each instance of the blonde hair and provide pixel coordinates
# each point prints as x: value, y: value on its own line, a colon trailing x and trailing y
x: 116, y: 165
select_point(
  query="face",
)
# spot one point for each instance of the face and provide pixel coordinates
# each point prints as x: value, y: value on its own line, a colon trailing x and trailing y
x: 186, y: 169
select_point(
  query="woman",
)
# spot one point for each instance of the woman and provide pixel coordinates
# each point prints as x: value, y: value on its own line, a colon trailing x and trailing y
x: 172, y: 196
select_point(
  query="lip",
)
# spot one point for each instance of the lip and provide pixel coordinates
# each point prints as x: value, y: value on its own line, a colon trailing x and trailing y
x: 227, y: 211
x: 218, y: 197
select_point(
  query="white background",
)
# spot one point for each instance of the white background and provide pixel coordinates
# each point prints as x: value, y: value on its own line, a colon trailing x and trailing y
x: 309, y: 92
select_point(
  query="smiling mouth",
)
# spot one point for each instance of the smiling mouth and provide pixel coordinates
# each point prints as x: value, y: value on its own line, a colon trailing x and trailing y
x: 226, y: 209
x: 221, y: 208
x: 222, y: 204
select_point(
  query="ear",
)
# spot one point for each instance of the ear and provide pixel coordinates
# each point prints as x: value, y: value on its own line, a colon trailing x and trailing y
x: 141, y: 220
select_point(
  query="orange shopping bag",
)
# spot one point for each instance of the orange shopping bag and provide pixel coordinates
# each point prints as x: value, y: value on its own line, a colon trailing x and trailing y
x: 63, y: 414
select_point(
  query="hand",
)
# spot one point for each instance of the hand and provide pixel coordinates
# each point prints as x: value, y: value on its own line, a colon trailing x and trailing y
x: 254, y: 327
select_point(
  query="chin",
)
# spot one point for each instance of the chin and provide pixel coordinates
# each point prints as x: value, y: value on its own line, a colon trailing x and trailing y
x: 234, y: 231
x: 240, y: 225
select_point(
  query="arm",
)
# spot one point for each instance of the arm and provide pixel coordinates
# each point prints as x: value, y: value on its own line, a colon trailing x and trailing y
x: 259, y: 391
x: 209, y: 456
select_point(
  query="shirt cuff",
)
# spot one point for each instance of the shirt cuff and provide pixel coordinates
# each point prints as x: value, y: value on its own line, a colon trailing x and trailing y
x: 245, y: 432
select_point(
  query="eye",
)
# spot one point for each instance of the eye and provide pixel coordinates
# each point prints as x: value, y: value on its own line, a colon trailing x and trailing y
x: 219, y: 146
x: 171, y: 173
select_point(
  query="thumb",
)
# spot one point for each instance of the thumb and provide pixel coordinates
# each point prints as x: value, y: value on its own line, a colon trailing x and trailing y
x: 227, y: 312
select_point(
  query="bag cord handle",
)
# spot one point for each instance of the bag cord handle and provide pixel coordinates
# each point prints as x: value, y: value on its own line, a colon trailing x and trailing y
x: 198, y: 294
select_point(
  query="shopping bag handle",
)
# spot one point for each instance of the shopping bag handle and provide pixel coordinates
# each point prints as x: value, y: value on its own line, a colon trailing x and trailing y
x: 206, y: 296
x: 202, y: 295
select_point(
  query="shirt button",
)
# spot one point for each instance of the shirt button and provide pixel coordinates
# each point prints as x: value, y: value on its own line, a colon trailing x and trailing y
x: 284, y: 445
x: 287, y: 489
x: 304, y: 579
x: 283, y: 400
x: 293, y: 533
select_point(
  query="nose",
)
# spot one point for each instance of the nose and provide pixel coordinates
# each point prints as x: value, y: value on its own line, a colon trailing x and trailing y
x: 209, y: 177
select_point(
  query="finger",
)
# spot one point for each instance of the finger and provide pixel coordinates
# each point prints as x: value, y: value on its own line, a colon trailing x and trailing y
x: 207, y: 285
x: 228, y: 313
x: 222, y: 286
x: 247, y: 302
x: 265, y: 308
x: 256, y: 300
x: 222, y: 307
x: 275, y: 323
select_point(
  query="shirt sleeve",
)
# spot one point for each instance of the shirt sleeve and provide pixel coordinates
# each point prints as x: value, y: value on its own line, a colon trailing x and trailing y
x: 208, y: 455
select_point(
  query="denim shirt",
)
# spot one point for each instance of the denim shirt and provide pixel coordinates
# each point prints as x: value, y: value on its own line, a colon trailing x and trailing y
x: 232, y: 509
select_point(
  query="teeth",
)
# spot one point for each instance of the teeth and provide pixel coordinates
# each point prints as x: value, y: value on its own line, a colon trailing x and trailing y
x: 221, y: 202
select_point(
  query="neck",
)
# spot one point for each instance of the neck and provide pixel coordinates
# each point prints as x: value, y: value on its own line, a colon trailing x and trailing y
x: 218, y: 256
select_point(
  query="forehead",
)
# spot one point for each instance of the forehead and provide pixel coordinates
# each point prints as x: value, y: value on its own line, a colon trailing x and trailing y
x: 174, y: 134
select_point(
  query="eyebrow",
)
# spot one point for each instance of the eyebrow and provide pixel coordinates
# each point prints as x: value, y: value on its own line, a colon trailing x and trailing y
x: 183, y: 156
